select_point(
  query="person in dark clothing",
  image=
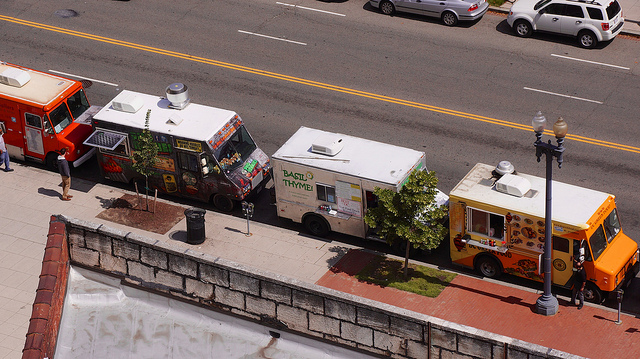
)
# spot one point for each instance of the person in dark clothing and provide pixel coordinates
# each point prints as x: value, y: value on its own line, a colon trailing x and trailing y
x: 65, y: 173
x: 579, y: 281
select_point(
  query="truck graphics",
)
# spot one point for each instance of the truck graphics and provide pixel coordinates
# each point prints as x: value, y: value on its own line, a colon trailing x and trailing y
x: 41, y: 114
x: 497, y: 225
x: 204, y: 153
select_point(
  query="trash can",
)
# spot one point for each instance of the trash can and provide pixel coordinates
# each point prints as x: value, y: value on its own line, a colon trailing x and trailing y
x: 195, y: 225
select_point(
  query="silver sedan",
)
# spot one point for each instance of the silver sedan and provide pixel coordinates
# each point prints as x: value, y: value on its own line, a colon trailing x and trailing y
x: 450, y: 11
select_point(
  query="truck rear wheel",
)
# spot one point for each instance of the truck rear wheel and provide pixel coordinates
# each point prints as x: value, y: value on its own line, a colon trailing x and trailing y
x: 316, y: 225
x: 488, y: 267
x: 223, y: 203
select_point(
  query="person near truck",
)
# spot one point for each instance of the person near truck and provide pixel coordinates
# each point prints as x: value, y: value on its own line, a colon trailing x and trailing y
x: 4, y: 155
x: 580, y: 279
x: 65, y: 173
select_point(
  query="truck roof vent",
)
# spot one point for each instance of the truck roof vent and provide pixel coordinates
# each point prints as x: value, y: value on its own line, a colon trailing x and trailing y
x: 130, y: 103
x: 504, y: 167
x: 513, y: 185
x: 14, y: 77
x: 329, y: 144
x: 178, y: 95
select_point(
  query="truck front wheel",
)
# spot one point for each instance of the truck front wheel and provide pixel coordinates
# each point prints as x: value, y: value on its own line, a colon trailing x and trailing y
x: 316, y: 225
x: 592, y: 293
x: 223, y: 203
x: 488, y: 267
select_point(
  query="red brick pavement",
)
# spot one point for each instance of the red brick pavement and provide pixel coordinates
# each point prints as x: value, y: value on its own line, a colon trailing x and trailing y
x: 590, y: 332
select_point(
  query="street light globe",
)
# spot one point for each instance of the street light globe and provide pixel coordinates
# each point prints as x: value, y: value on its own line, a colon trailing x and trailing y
x: 539, y: 122
x: 560, y: 128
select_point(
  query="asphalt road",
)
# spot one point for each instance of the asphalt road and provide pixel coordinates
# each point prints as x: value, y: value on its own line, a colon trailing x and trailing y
x: 463, y: 95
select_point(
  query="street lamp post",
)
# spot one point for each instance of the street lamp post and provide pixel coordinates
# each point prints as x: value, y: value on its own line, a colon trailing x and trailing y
x: 547, y: 304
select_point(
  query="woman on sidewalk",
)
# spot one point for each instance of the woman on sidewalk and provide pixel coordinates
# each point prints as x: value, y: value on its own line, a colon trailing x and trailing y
x: 65, y: 173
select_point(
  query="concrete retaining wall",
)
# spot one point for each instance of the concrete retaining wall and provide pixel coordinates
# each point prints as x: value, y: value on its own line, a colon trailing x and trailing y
x: 284, y: 303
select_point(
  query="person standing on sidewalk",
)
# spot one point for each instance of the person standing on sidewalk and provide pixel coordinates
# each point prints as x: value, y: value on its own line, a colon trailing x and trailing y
x: 4, y: 155
x: 579, y: 281
x: 63, y: 168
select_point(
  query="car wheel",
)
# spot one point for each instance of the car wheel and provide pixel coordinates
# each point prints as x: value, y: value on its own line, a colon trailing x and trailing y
x: 522, y: 28
x: 449, y: 18
x: 387, y: 8
x: 587, y: 39
x: 592, y: 293
x: 51, y: 161
x: 488, y: 267
x: 316, y: 225
x: 223, y: 203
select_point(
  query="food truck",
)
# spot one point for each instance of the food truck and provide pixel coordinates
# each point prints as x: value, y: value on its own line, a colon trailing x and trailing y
x: 204, y: 153
x: 41, y: 113
x: 326, y: 180
x: 497, y: 224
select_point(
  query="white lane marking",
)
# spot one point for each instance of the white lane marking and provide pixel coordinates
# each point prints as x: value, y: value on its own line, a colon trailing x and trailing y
x: 271, y: 37
x: 561, y: 95
x: 591, y: 62
x: 312, y: 9
x: 82, y: 78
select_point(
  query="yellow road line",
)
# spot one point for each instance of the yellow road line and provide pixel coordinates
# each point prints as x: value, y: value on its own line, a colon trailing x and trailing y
x: 306, y: 82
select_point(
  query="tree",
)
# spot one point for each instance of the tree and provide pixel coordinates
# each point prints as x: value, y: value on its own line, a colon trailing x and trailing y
x: 145, y: 156
x: 410, y: 215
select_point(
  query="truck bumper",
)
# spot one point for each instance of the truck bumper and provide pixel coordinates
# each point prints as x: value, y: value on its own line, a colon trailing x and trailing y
x: 84, y: 158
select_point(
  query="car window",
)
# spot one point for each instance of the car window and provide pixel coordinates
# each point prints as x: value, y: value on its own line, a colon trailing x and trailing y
x: 554, y: 9
x: 613, y: 9
x: 595, y: 13
x: 540, y: 4
x: 574, y: 11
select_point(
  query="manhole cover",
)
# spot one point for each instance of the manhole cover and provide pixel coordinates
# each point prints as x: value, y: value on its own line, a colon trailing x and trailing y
x: 66, y: 13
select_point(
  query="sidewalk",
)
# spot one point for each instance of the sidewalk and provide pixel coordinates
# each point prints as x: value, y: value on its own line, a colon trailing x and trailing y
x: 630, y: 12
x: 28, y: 197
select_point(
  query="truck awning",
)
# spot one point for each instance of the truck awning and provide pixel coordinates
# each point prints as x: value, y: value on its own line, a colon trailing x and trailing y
x: 105, y: 139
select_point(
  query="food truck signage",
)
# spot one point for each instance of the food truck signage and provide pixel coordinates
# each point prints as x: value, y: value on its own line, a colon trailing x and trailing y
x: 189, y: 145
x: 297, y: 180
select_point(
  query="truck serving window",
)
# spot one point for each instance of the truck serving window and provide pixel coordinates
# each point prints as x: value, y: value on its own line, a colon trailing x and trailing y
x: 236, y: 150
x: 78, y: 103
x: 60, y: 118
x: 326, y: 193
x: 612, y: 225
x: 485, y: 223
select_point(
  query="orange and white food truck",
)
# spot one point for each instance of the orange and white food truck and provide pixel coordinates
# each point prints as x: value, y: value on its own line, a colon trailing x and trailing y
x: 326, y: 180
x: 497, y: 225
x: 204, y: 153
x: 42, y: 113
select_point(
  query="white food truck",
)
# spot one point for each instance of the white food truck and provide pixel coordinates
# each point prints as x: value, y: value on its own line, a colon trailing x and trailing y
x: 326, y: 180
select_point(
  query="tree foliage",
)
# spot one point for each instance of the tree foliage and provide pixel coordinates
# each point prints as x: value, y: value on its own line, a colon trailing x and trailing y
x: 146, y: 156
x: 410, y: 215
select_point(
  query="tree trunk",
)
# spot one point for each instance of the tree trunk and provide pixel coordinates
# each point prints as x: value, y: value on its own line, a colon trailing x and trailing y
x: 146, y: 191
x: 406, y: 260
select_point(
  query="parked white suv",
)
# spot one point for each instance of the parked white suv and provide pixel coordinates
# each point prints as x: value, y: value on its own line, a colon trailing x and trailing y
x: 588, y: 20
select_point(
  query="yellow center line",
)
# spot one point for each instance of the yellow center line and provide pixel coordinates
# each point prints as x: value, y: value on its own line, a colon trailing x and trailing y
x: 316, y: 84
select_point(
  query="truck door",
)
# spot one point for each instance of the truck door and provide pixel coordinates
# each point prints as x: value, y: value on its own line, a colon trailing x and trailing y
x: 33, y: 133
x: 189, y: 173
x: 561, y: 261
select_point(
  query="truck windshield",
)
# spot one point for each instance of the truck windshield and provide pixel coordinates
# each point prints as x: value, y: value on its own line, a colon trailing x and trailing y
x: 60, y: 118
x: 78, y: 103
x: 236, y: 150
x: 612, y: 225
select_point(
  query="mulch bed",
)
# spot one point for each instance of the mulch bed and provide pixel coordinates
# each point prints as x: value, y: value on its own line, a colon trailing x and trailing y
x: 125, y: 211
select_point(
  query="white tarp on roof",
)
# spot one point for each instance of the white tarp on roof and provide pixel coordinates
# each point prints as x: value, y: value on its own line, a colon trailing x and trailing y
x: 104, y: 319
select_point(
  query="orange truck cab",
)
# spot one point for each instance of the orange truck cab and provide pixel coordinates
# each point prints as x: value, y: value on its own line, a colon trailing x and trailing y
x: 43, y: 113
x: 497, y: 225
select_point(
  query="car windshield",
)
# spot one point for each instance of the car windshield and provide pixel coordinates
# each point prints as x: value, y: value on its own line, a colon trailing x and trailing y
x: 612, y: 225
x: 598, y: 242
x: 60, y: 118
x: 613, y: 9
x: 540, y: 4
x: 78, y: 103
x: 236, y: 150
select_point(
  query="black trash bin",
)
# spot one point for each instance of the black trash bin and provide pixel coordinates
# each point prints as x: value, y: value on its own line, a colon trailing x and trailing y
x: 195, y: 225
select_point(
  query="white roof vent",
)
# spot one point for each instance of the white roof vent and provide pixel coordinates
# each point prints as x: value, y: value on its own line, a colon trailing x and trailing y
x: 329, y: 144
x: 130, y: 104
x: 504, y: 167
x: 14, y: 77
x: 178, y: 95
x: 174, y: 119
x: 513, y: 185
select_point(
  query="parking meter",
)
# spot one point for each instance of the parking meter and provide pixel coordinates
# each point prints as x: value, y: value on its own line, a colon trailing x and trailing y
x: 619, y: 294
x: 247, y: 210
